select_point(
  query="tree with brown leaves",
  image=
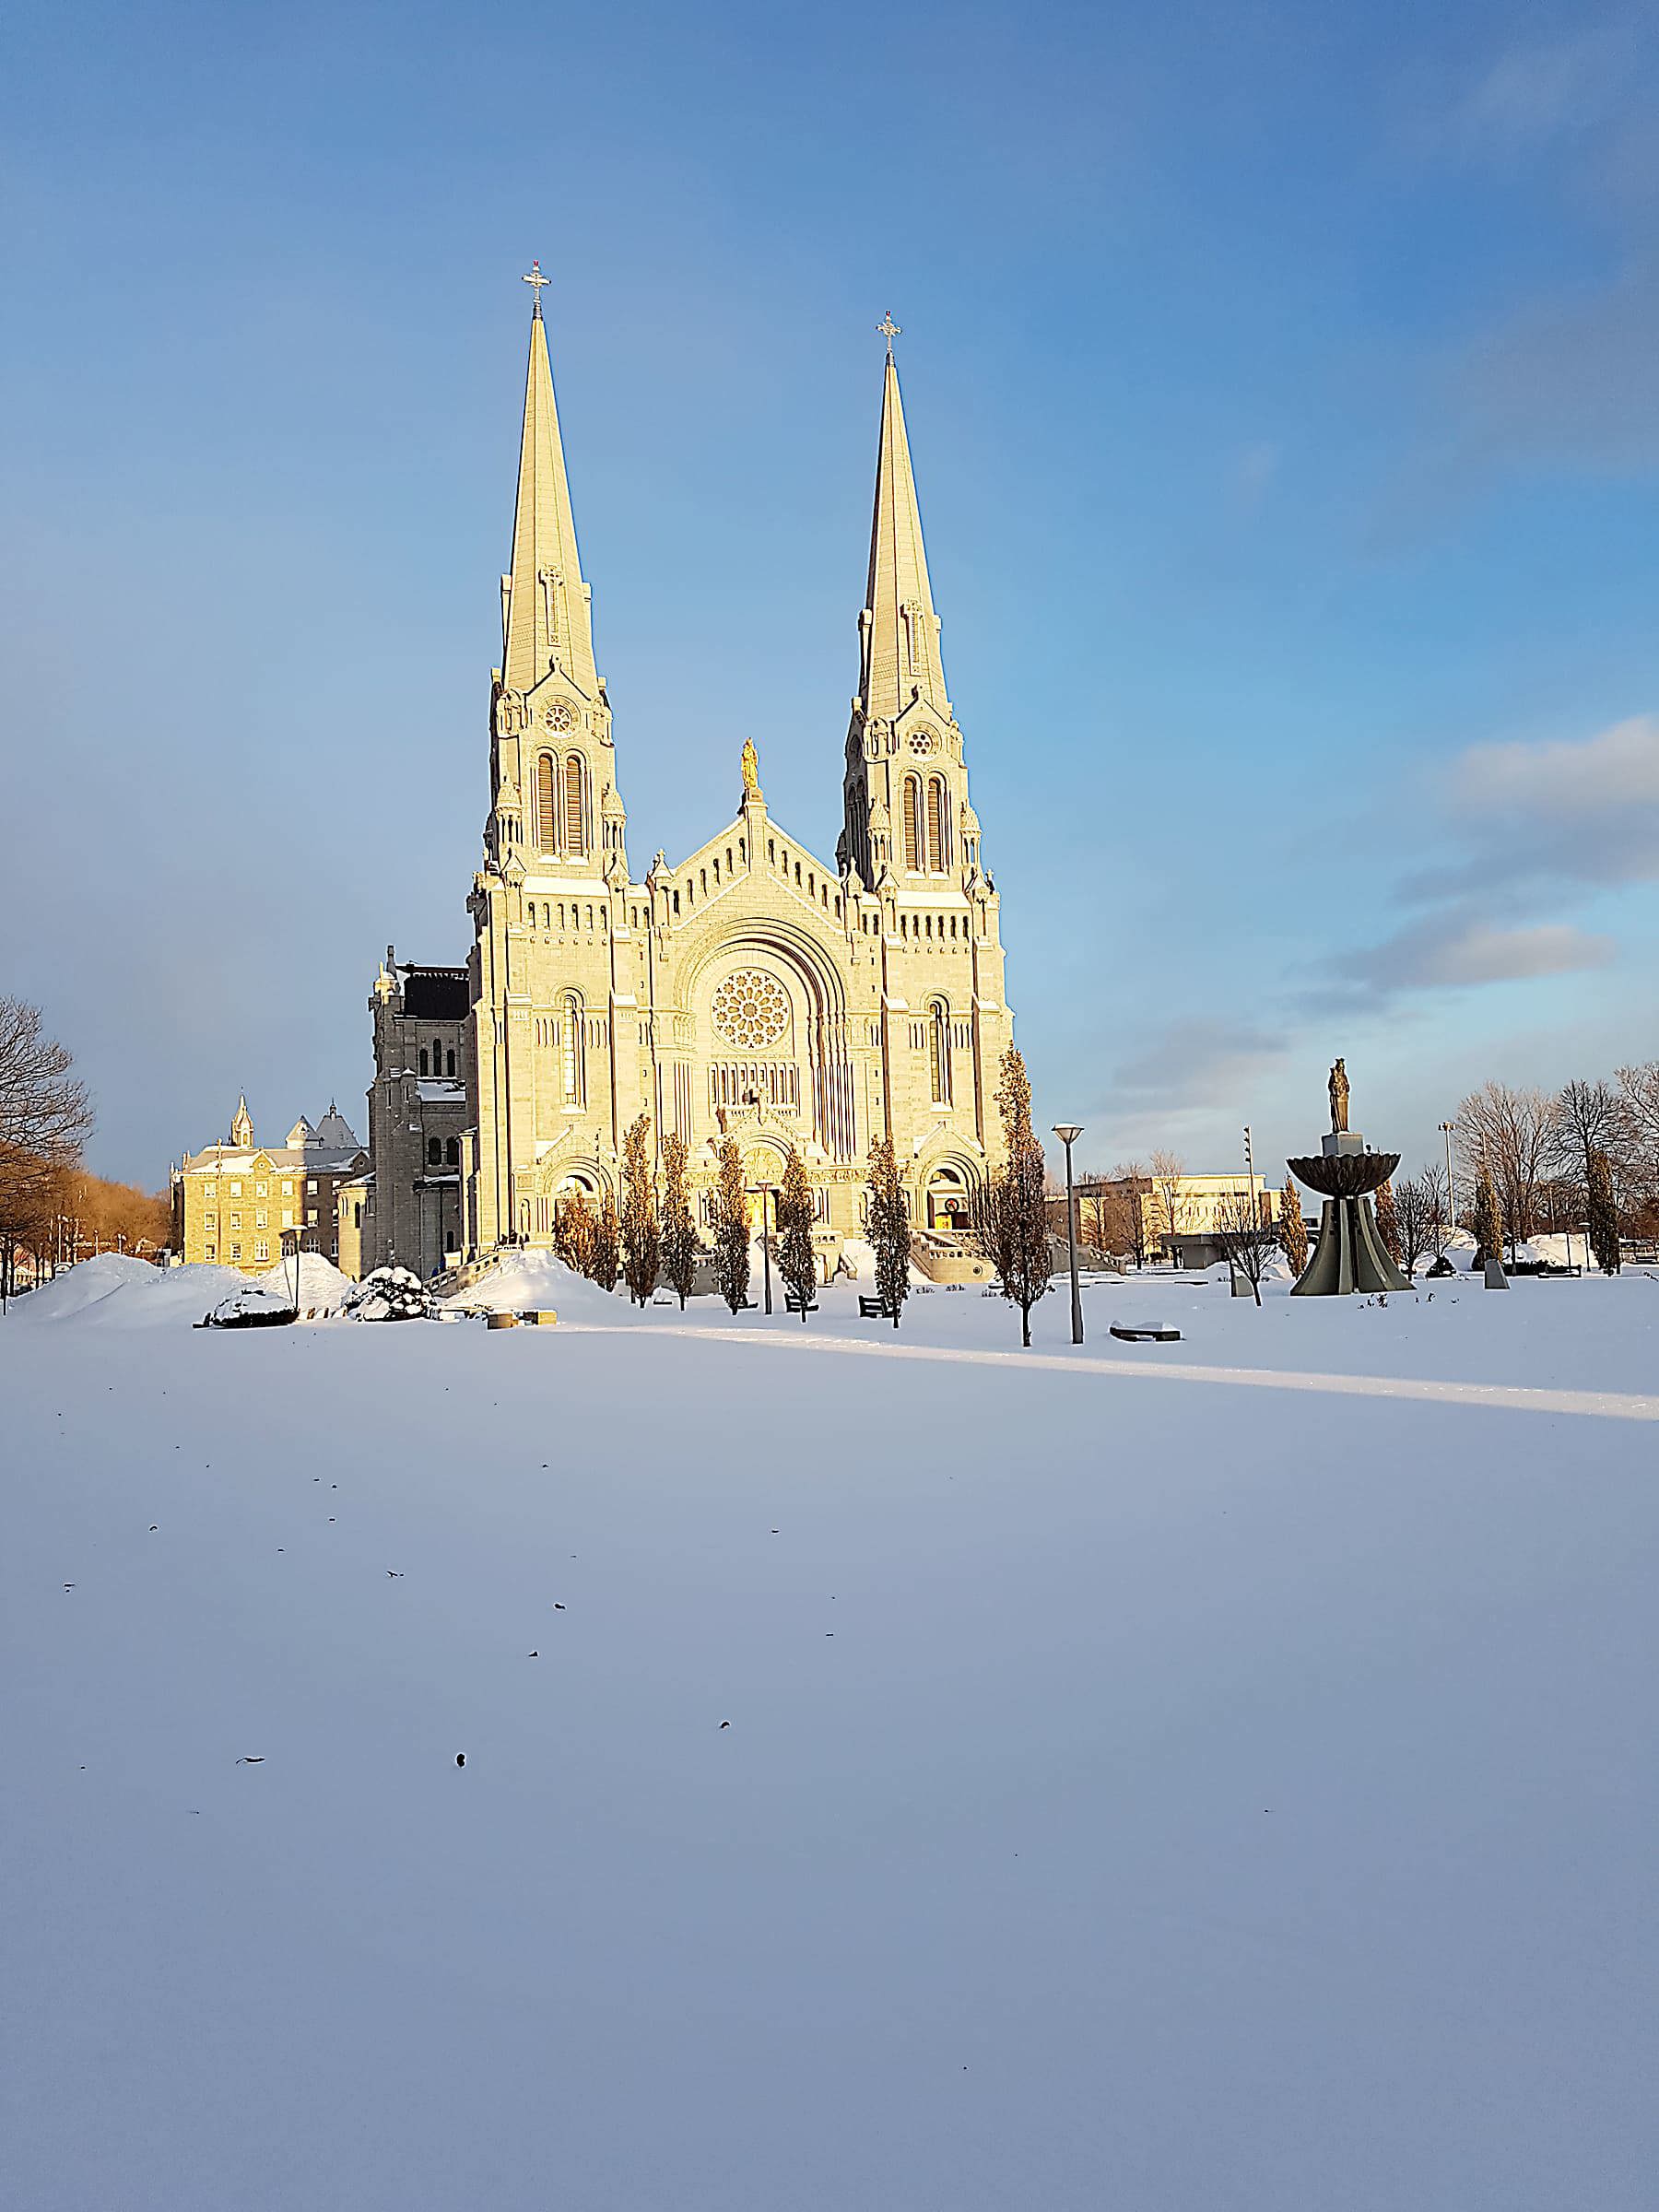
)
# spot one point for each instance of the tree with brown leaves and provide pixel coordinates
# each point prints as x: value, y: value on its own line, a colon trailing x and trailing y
x: 731, y: 1227
x: 642, y: 1231
x: 1011, y: 1224
x: 680, y: 1242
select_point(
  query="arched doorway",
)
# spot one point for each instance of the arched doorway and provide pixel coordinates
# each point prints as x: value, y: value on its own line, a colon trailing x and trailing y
x: 948, y: 1204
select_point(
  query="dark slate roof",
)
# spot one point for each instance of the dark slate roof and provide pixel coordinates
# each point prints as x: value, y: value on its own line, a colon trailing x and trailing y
x: 435, y: 994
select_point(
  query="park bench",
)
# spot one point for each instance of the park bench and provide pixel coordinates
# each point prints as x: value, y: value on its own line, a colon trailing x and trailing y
x: 875, y: 1309
x: 1144, y: 1332
x: 791, y: 1304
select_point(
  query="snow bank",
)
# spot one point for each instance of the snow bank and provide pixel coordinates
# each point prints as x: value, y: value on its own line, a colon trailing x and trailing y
x: 523, y: 1282
x: 116, y: 1290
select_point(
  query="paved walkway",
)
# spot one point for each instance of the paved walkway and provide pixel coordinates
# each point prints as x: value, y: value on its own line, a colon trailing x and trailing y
x: 1605, y: 1405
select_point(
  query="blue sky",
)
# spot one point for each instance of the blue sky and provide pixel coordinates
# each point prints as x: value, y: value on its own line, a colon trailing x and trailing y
x: 1284, y: 391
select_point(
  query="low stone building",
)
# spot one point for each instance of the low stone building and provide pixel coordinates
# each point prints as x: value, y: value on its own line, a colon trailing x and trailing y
x: 233, y: 1202
x: 407, y: 1211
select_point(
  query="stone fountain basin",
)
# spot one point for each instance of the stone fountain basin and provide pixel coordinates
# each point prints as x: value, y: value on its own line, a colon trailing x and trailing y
x: 1344, y: 1174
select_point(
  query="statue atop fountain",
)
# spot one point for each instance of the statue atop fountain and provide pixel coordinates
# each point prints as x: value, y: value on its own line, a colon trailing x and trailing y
x: 1349, y: 1255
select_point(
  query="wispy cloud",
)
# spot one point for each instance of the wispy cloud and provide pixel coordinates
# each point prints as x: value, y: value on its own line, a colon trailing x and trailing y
x: 1457, y: 949
x: 1201, y: 1061
x: 1527, y: 829
x: 1551, y: 817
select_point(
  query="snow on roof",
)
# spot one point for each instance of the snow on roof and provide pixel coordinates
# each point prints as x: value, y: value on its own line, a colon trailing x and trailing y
x: 440, y: 1091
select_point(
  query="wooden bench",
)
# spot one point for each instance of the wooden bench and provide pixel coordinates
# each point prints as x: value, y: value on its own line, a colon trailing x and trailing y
x: 1144, y: 1332
x: 791, y: 1304
x: 875, y: 1309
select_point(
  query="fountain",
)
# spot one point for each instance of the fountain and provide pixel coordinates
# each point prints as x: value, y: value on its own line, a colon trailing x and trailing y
x: 1349, y: 1255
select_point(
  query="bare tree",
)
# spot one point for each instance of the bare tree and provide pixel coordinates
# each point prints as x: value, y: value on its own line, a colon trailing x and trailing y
x: 1433, y: 1180
x: 1640, y: 1088
x: 1248, y: 1236
x: 1511, y: 1134
x: 1168, y: 1169
x: 1416, y: 1210
x: 1135, y: 1178
x: 45, y: 1117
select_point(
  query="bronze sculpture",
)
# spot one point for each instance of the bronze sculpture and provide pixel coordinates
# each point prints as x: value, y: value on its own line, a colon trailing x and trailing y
x: 1339, y: 1097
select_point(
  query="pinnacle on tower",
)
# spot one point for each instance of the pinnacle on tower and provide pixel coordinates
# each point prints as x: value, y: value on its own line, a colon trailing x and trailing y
x: 900, y: 630
x: 546, y: 614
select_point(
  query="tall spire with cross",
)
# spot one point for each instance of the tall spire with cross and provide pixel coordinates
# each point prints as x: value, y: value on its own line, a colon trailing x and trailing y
x: 900, y: 631
x: 908, y: 813
x: 546, y: 614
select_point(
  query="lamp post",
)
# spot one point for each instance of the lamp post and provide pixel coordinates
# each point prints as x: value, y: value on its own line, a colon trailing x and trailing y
x: 1068, y: 1133
x: 293, y: 1234
x: 1445, y: 1129
x: 763, y: 1191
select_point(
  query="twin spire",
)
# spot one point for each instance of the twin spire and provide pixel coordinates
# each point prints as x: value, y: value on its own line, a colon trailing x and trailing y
x: 547, y: 617
x: 899, y: 629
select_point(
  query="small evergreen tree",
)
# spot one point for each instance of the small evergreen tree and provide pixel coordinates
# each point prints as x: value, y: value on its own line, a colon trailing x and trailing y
x: 607, y: 1244
x: 1388, y: 1222
x: 796, y: 1262
x: 1293, y: 1230
x: 889, y: 1225
x: 641, y: 1233
x: 1012, y: 1214
x: 1601, y: 1219
x: 575, y: 1226
x: 731, y: 1225
x: 680, y: 1245
x: 1487, y: 1222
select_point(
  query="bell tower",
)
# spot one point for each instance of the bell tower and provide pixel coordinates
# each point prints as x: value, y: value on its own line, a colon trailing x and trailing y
x: 908, y: 816
x: 555, y: 808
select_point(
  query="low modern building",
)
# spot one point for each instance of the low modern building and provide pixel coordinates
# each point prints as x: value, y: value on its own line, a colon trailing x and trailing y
x: 1180, y: 1215
x: 233, y: 1202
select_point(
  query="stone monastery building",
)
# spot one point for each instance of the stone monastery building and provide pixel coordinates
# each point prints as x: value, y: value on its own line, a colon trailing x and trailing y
x: 752, y: 990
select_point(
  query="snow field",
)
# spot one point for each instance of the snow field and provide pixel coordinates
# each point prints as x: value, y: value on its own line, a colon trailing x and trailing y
x: 1175, y: 1796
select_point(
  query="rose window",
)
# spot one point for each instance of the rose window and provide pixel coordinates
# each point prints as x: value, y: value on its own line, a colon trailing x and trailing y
x: 751, y: 1010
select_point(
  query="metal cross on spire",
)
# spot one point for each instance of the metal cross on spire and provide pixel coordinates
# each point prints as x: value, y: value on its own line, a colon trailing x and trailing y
x: 890, y: 330
x: 538, y: 279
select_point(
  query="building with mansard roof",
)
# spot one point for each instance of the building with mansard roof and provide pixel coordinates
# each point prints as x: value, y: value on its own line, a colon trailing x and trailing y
x: 233, y: 1203
x: 753, y: 989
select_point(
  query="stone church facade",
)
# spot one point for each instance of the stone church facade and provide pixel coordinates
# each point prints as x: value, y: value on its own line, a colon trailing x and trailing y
x: 751, y: 990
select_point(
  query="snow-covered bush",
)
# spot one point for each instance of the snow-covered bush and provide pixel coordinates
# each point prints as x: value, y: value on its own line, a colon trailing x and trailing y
x: 390, y: 1294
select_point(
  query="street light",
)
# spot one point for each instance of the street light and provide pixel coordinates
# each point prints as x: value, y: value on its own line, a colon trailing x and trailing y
x: 1068, y: 1133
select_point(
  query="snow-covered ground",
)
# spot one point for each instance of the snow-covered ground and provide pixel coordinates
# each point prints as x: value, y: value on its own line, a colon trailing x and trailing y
x: 1200, y: 1779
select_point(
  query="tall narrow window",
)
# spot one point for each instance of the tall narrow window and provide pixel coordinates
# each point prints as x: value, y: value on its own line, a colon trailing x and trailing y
x: 576, y: 842
x: 449, y: 1063
x: 936, y: 823
x: 546, y: 804
x: 912, y: 821
x: 423, y: 1060
x: 939, y: 1051
x: 575, y: 1056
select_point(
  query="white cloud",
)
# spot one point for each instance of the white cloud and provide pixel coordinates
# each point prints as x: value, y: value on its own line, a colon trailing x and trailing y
x: 1618, y: 769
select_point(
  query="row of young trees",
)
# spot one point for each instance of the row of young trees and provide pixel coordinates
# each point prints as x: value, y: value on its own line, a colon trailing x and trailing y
x: 653, y: 1237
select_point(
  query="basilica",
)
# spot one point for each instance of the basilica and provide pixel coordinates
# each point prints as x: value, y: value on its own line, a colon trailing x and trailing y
x: 751, y: 990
